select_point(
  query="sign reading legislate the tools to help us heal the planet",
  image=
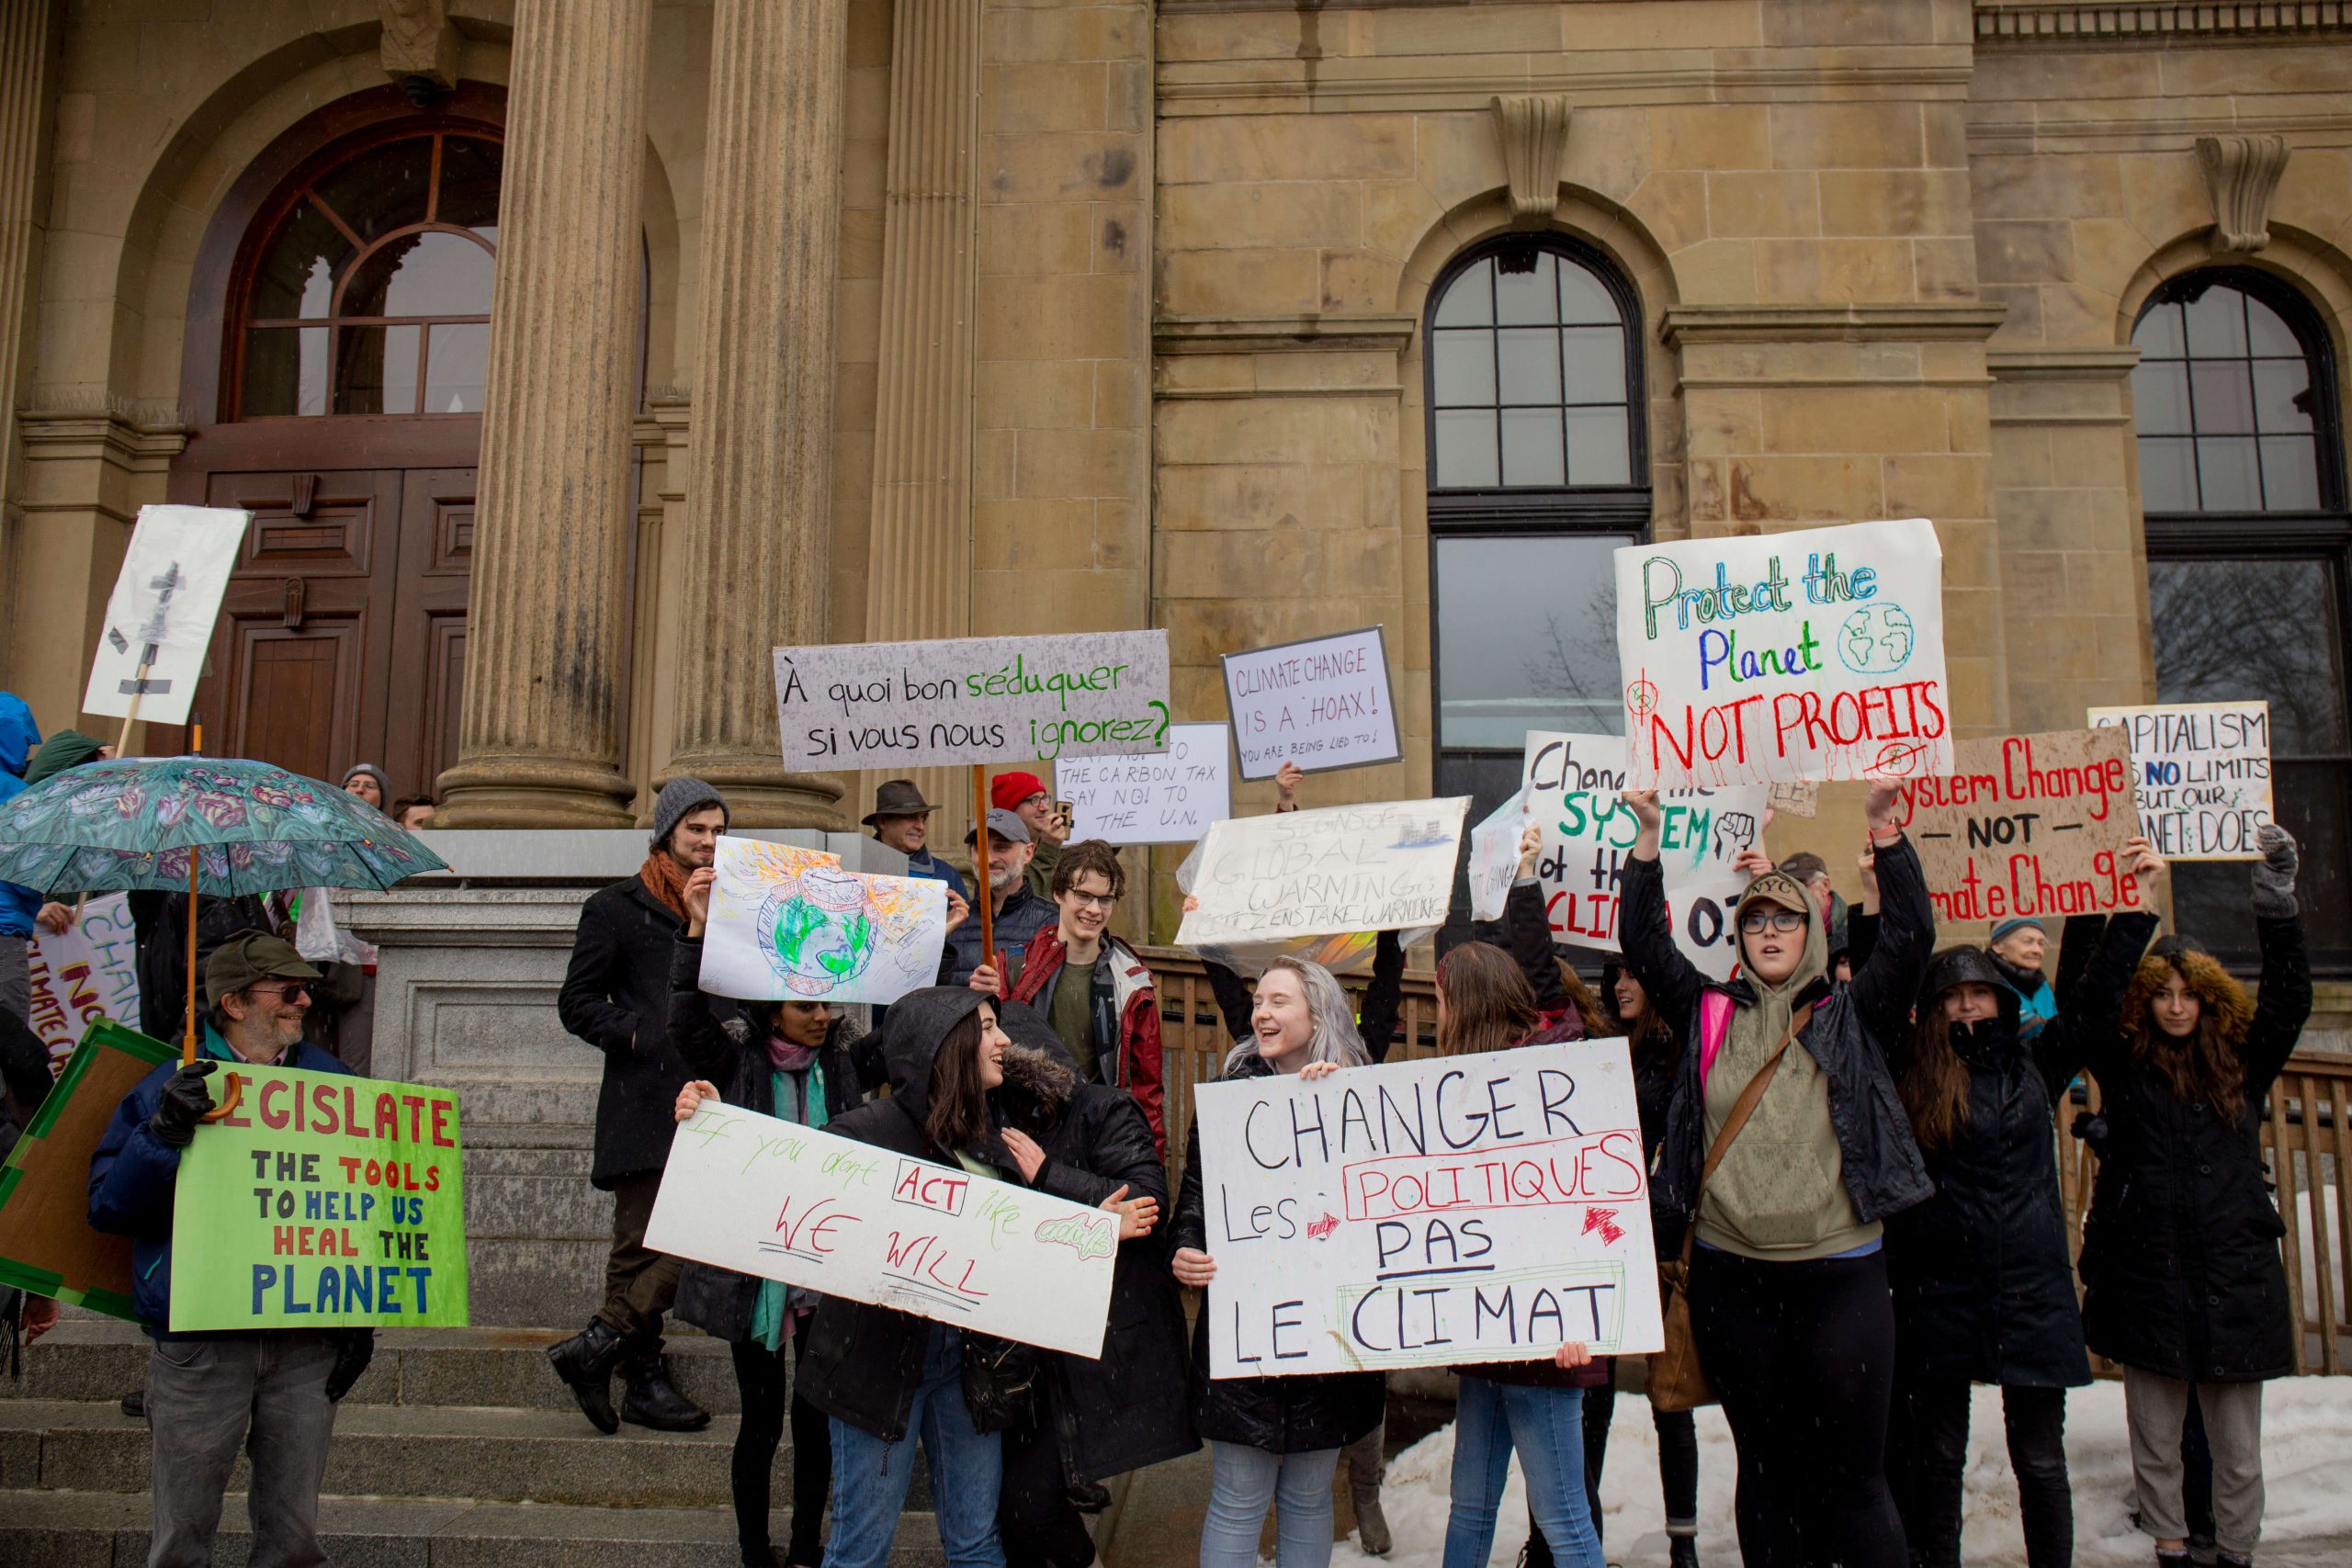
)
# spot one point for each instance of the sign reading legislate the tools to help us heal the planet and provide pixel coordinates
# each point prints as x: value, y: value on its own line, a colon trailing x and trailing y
x: 1323, y: 704
x: 772, y: 1198
x: 1339, y: 868
x: 1169, y: 797
x: 1817, y: 654
x: 980, y: 699
x: 323, y: 1201
x: 2027, y: 825
x: 1481, y: 1208
x: 2203, y: 774
x: 790, y: 924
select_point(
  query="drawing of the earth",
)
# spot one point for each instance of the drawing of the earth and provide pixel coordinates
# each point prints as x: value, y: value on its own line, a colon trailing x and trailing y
x: 816, y: 931
x: 1875, y: 640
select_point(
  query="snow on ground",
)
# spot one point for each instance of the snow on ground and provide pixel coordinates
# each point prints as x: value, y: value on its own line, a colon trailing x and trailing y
x: 2307, y: 1458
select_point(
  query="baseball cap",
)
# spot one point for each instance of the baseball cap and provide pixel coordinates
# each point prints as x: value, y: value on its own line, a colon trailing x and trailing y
x: 1004, y: 825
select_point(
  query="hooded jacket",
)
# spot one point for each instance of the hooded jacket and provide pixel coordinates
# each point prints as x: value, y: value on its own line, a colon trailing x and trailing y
x: 18, y: 736
x: 67, y: 748
x: 1125, y: 1011
x: 2180, y: 1251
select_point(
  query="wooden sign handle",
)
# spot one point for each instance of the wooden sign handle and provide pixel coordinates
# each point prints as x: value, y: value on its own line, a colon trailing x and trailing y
x: 981, y: 890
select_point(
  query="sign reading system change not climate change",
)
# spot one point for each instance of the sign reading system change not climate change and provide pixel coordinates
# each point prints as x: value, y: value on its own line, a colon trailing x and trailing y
x: 2027, y: 825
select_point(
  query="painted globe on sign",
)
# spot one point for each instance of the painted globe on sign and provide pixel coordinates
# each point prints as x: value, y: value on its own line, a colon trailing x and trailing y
x: 1875, y: 640
x: 816, y: 932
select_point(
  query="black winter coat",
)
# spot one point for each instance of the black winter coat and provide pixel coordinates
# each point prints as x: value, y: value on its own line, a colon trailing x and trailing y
x: 616, y: 995
x: 1282, y: 1416
x: 2180, y: 1253
x: 1984, y: 1290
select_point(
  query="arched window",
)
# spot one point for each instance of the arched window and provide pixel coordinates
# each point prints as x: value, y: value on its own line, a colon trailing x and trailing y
x: 368, y: 291
x: 2241, y: 478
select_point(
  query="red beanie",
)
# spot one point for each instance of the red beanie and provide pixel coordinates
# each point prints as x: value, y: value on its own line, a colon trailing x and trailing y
x: 1009, y: 790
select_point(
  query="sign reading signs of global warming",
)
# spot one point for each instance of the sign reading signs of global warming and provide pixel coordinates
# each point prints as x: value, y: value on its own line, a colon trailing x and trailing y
x: 1817, y: 654
x: 1323, y: 704
x: 983, y: 699
x: 1339, y: 868
x: 2203, y: 774
x: 1485, y: 1208
x: 323, y: 1201
x: 84, y: 974
x: 2026, y: 825
x: 772, y: 1198
x: 1169, y: 797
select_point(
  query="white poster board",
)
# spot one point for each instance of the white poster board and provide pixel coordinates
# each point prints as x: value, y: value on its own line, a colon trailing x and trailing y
x: 1572, y: 784
x: 771, y: 1198
x: 1339, y: 868
x: 1493, y: 857
x: 1169, y: 797
x: 1817, y: 654
x: 83, y: 974
x: 1323, y: 704
x: 789, y: 924
x: 161, y: 614
x: 1463, y: 1209
x: 2202, y: 772
x: 980, y: 699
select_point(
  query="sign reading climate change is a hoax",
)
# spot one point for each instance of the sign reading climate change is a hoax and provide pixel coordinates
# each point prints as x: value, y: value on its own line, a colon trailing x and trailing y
x: 1339, y: 868
x: 984, y: 699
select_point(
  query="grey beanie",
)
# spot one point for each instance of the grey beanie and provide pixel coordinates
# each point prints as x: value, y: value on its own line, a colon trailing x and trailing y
x: 680, y: 797
x: 383, y: 784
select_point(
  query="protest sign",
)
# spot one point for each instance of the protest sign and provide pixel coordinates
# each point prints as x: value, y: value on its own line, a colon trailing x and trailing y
x: 2028, y: 825
x: 1817, y: 654
x: 1323, y: 704
x: 1169, y: 797
x: 83, y: 974
x: 2201, y: 773
x: 1485, y: 1208
x: 1493, y: 857
x: 980, y: 699
x: 771, y: 1198
x: 323, y: 1201
x: 1339, y: 868
x: 159, y: 619
x: 790, y: 923
x: 46, y: 1243
x: 1572, y: 784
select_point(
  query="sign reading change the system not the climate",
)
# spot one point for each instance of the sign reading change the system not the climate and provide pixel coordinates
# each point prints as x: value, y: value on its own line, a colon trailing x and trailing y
x: 2203, y: 774
x: 2028, y: 825
x: 983, y: 699
x: 1485, y: 1208
x: 1323, y: 704
x: 1339, y: 868
x: 1817, y: 654
x: 84, y: 973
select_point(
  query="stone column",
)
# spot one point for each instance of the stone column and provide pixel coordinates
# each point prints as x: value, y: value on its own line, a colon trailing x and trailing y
x: 25, y: 116
x: 540, y: 738
x: 758, y: 474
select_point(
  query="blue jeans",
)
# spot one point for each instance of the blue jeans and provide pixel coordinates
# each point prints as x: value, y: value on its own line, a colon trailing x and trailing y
x: 1243, y: 1481
x: 1546, y: 1426
x: 870, y: 1476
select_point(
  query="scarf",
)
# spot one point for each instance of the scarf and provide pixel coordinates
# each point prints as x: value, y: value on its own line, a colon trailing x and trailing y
x: 786, y: 1058
x: 665, y: 882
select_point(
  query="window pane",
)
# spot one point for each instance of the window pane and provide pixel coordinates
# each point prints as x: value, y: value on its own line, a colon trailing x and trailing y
x: 1469, y: 299
x: 2278, y: 383
x: 2289, y: 474
x: 1583, y: 299
x: 2217, y: 323
x: 1596, y: 364
x: 1598, y: 452
x: 383, y: 190
x: 1465, y: 450
x: 1532, y: 451
x: 430, y: 274
x: 469, y: 170
x: 2227, y: 630
x: 286, y: 372
x: 1531, y: 365
x: 2159, y: 334
x: 375, y: 369
x: 296, y: 275
x: 455, y: 356
x: 2168, y: 474
x: 2267, y: 331
x: 2224, y: 396
x: 1527, y: 298
x: 1526, y: 639
x: 2225, y: 475
x: 1464, y: 371
x: 2160, y: 399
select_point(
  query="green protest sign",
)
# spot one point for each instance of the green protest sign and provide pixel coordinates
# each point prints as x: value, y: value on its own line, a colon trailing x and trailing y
x: 323, y: 1201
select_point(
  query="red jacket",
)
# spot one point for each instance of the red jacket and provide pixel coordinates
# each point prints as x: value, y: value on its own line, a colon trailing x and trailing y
x: 1136, y: 1068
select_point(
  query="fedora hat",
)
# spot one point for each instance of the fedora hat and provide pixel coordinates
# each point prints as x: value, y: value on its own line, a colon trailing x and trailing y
x: 898, y: 797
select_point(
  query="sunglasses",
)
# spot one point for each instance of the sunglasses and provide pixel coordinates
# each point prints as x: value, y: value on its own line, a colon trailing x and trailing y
x: 1756, y: 922
x: 293, y: 990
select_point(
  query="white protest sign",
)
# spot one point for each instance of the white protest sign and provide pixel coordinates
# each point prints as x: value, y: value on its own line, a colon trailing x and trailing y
x: 160, y: 617
x: 1493, y: 857
x: 1572, y: 784
x: 1817, y: 654
x: 1459, y: 1209
x: 83, y: 974
x: 980, y: 699
x: 2202, y: 772
x: 790, y: 923
x: 771, y: 1198
x: 1339, y: 868
x: 1169, y: 797
x: 1323, y: 704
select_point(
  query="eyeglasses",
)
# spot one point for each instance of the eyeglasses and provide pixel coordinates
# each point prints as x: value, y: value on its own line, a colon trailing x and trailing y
x: 1756, y: 922
x: 292, y: 991
x: 1093, y: 900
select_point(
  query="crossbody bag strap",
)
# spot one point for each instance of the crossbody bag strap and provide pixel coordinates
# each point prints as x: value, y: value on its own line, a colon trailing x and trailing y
x: 1749, y: 1098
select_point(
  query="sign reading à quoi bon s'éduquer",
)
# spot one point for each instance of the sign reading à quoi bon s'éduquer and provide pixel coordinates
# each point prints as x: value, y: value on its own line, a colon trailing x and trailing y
x: 1815, y: 654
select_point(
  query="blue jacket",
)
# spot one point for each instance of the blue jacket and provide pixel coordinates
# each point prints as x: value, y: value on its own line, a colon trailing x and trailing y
x: 133, y: 1176
x: 18, y: 736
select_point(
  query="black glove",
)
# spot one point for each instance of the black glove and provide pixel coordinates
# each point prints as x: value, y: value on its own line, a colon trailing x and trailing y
x: 355, y: 1347
x: 2091, y: 1130
x: 184, y: 1102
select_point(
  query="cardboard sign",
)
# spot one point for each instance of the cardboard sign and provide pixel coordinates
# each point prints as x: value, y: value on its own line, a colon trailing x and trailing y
x: 1486, y: 1208
x: 1339, y: 868
x: 83, y: 974
x: 159, y: 619
x: 980, y: 699
x: 1168, y: 798
x: 46, y: 1243
x: 1817, y: 654
x: 324, y: 1201
x: 1572, y: 784
x: 2202, y: 773
x: 771, y: 1198
x: 1323, y: 704
x: 791, y: 923
x: 2028, y: 825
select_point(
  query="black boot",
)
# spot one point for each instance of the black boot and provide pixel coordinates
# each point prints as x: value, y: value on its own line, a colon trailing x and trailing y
x: 650, y: 1399
x: 1682, y: 1551
x: 585, y: 1362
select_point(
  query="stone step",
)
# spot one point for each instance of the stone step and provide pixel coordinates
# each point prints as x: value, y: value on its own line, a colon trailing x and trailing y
x: 105, y: 1529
